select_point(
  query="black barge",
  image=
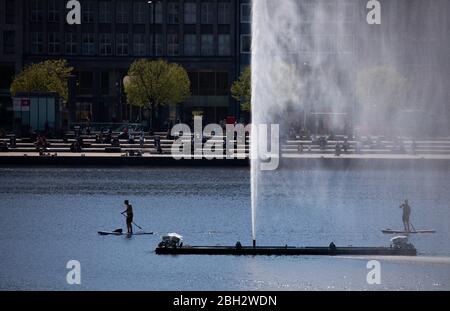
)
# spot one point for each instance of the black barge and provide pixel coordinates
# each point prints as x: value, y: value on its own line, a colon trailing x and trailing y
x: 286, y: 250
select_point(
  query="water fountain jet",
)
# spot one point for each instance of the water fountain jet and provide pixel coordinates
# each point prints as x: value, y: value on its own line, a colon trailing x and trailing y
x: 321, y: 58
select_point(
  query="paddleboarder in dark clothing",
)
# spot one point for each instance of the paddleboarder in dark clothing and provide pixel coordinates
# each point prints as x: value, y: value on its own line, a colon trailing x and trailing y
x: 406, y: 213
x: 129, y: 214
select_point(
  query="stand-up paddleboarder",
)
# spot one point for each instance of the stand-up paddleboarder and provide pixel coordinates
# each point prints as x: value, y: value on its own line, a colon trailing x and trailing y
x: 129, y: 215
x: 406, y: 213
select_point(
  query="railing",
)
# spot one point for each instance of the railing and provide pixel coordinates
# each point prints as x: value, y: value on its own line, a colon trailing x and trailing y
x: 97, y: 126
x: 423, y: 147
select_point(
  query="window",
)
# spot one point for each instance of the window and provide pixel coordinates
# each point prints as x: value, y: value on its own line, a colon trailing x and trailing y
x: 224, y: 45
x: 246, y: 13
x: 122, y: 12
x: 87, y: 12
x: 37, y: 42
x: 122, y: 44
x: 307, y: 13
x: 9, y: 42
x: 105, y: 44
x: 207, y: 83
x: 207, y: 45
x: 139, y: 46
x: 53, y: 10
x: 71, y: 43
x: 173, y: 13
x: 10, y: 14
x: 190, y: 13
x: 140, y: 12
x: 190, y: 44
x: 37, y: 10
x: 86, y: 82
x: 207, y: 12
x: 156, y: 44
x: 83, y: 111
x: 54, y: 42
x: 224, y: 13
x: 345, y: 44
x: 222, y: 86
x: 173, y: 44
x: 193, y: 78
x: 88, y: 44
x: 157, y: 10
x: 105, y: 12
x: 246, y: 44
x: 105, y: 83
x: 7, y: 72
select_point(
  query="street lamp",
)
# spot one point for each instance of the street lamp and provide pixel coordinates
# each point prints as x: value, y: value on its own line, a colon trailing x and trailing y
x: 306, y: 71
x: 125, y: 82
x: 119, y: 91
x: 153, y: 3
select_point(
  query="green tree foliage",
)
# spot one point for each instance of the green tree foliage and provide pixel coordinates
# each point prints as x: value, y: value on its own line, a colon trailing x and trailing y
x: 47, y: 76
x: 381, y: 91
x: 241, y: 90
x: 153, y: 83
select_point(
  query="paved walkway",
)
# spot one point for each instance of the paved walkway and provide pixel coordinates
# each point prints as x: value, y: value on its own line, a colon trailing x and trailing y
x: 284, y: 155
x: 368, y: 156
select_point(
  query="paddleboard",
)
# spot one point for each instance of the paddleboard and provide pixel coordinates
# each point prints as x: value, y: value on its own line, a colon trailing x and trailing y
x: 123, y: 233
x: 391, y: 231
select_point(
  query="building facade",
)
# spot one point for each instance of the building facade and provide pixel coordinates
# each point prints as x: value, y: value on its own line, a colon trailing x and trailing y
x: 245, y: 33
x: 11, y: 57
x: 202, y: 36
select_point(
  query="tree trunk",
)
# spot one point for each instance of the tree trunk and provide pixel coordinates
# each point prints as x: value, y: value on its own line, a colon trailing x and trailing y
x: 158, y: 119
x: 153, y: 117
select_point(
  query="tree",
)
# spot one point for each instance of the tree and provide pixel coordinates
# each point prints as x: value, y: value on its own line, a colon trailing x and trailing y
x: 47, y: 76
x: 381, y: 90
x: 241, y: 90
x: 154, y: 83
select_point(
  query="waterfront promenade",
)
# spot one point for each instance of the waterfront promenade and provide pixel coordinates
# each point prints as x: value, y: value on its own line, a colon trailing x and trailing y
x: 156, y: 150
x: 98, y: 159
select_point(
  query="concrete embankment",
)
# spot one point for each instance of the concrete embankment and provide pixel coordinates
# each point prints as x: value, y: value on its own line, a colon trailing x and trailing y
x: 390, y: 162
x: 305, y: 161
x: 112, y: 160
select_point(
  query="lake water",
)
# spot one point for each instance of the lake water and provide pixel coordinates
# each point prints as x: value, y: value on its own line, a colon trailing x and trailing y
x: 52, y: 215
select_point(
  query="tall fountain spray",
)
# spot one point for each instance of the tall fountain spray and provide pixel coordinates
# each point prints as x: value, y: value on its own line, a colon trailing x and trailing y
x: 321, y: 67
x: 254, y: 197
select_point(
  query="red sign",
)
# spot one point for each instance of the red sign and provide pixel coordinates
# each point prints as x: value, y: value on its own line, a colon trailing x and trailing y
x: 231, y: 120
x: 25, y: 104
x: 21, y: 104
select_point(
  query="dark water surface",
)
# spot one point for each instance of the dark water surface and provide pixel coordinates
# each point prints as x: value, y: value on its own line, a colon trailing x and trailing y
x: 51, y: 216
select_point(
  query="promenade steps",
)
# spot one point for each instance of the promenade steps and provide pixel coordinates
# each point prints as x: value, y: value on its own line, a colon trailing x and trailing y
x: 383, y: 147
x: 296, y: 146
x: 91, y: 146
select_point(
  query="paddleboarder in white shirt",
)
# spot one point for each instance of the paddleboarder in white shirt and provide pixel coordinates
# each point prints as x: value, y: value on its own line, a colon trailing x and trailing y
x: 406, y: 213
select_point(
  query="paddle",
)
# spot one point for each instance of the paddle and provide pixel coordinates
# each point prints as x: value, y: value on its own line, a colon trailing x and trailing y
x: 132, y: 222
